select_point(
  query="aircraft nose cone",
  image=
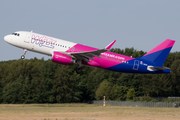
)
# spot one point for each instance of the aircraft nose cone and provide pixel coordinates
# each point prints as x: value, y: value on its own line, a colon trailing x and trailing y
x: 7, y: 38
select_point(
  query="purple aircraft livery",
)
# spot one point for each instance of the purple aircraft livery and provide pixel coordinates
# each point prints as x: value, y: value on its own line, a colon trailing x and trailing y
x: 66, y: 53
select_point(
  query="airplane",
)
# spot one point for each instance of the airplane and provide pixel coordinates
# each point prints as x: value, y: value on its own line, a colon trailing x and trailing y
x: 67, y: 53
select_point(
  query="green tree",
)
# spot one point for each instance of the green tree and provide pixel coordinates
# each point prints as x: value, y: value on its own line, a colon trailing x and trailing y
x: 63, y: 85
x: 118, y: 92
x: 104, y: 89
x: 13, y: 93
x: 130, y: 94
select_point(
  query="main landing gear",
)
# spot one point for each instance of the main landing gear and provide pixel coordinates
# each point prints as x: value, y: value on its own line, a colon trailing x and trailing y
x: 79, y: 69
x: 23, y: 56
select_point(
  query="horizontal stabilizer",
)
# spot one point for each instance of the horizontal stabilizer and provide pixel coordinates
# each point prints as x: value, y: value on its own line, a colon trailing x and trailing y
x: 152, y: 68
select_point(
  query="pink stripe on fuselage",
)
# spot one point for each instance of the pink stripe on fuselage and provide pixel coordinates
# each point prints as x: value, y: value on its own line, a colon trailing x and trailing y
x: 109, y: 59
x: 166, y: 44
x: 106, y: 60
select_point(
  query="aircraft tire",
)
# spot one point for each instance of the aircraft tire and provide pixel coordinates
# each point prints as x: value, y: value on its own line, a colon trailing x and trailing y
x: 78, y: 70
x: 22, y: 57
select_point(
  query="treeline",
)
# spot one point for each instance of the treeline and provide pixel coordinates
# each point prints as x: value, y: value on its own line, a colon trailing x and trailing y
x: 42, y: 81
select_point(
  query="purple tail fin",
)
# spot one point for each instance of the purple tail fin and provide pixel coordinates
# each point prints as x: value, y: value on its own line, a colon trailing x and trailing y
x: 159, y: 54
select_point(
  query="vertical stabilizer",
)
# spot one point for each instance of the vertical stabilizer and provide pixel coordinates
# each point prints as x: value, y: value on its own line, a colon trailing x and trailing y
x: 159, y: 54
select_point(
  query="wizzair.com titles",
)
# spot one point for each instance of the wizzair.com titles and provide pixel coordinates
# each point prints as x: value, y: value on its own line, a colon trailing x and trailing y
x: 43, y: 41
x: 113, y: 56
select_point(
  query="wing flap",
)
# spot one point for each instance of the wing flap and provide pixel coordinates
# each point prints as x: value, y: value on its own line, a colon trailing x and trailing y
x: 89, y: 54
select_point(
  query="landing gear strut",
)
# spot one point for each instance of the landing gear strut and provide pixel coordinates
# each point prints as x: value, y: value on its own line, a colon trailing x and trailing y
x: 23, y: 56
x: 79, y: 69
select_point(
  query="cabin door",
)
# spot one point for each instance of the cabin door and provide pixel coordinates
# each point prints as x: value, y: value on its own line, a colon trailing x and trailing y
x: 136, y: 64
x: 27, y: 38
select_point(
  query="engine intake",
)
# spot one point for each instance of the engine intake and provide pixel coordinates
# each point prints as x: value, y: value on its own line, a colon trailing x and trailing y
x: 63, y: 59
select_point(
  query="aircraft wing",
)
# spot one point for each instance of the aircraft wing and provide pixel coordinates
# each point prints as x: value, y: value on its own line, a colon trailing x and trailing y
x: 85, y: 56
x: 88, y: 55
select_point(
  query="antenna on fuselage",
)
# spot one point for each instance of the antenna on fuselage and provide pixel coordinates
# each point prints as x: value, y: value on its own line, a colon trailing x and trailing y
x: 31, y: 30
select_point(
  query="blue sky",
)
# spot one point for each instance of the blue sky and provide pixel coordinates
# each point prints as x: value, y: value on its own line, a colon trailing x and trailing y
x: 142, y: 24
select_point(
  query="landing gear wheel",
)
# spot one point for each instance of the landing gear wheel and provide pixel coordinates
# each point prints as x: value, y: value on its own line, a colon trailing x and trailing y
x: 79, y: 70
x: 22, y: 57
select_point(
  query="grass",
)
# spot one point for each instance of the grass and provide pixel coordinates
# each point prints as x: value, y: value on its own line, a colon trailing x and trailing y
x: 84, y: 112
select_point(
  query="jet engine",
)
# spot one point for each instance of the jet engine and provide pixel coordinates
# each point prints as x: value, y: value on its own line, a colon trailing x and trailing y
x: 63, y: 59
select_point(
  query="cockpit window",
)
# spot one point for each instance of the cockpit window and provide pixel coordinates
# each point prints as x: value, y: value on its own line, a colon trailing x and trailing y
x: 16, y: 34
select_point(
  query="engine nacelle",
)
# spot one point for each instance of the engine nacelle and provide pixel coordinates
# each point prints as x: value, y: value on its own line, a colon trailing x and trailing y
x: 63, y: 59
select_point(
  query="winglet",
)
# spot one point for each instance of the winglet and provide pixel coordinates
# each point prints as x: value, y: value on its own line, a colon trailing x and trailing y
x: 110, y: 45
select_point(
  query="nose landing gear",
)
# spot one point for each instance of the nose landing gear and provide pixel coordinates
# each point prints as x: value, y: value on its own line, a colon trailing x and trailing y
x: 23, y: 56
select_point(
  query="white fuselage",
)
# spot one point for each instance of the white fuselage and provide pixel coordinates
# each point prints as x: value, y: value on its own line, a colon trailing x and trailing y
x: 38, y: 43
